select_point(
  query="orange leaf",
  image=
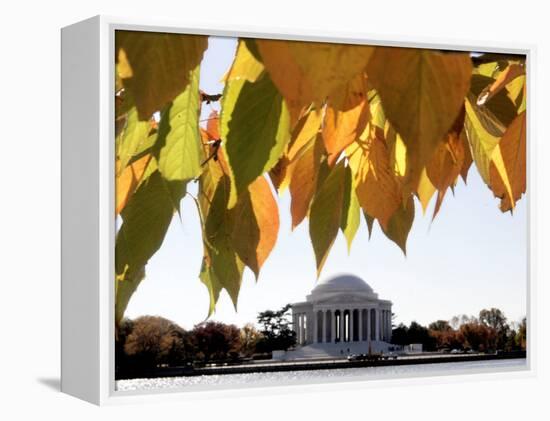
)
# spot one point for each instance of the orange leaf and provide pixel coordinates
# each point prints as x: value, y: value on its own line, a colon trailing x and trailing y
x: 256, y: 224
x: 213, y: 126
x: 128, y: 180
x: 307, y: 72
x: 346, y: 117
x: 513, y: 148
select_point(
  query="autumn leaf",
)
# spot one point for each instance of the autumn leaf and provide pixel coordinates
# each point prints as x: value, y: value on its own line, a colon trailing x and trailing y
x: 483, y: 133
x: 468, y: 159
x: 156, y: 67
x: 128, y: 179
x: 513, y: 149
x: 511, y: 72
x: 349, y: 223
x: 499, y: 111
x: 346, y: 117
x: 247, y: 64
x: 370, y: 222
x: 256, y: 227
x: 377, y: 188
x: 326, y: 214
x: 422, y: 92
x: 213, y: 126
x: 306, y: 72
x: 254, y: 131
x: 145, y: 221
x: 134, y: 133
x: 221, y: 264
x: 400, y: 224
x: 425, y: 190
x: 447, y: 161
x: 305, y: 130
x: 304, y: 181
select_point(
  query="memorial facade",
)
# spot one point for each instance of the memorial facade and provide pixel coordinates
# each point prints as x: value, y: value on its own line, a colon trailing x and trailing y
x: 342, y: 314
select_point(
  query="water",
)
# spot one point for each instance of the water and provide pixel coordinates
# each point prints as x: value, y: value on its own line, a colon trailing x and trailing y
x: 315, y: 376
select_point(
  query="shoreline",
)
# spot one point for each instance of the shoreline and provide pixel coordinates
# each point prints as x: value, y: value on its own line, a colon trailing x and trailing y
x: 303, y: 365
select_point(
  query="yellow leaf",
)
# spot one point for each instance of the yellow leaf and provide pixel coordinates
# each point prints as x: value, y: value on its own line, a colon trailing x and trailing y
x: 346, y: 116
x: 483, y: 134
x: 247, y: 65
x: 422, y: 93
x: 425, y: 190
x: 305, y: 130
x: 497, y: 163
x: 512, y: 148
x: 378, y: 190
x: 307, y: 72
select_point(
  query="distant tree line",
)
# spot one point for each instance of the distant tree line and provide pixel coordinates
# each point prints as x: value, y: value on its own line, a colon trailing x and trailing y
x: 152, y: 341
x: 488, y: 332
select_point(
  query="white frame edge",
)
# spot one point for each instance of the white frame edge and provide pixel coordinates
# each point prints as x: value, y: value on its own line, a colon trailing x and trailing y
x: 88, y: 226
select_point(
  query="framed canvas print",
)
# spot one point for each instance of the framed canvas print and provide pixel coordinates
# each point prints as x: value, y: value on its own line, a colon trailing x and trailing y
x: 249, y: 210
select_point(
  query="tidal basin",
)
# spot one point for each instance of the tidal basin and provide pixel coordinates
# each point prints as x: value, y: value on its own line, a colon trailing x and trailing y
x: 318, y: 376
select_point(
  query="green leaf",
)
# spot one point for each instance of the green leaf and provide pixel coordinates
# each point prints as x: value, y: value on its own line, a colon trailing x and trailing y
x: 350, y: 209
x: 124, y: 289
x: 254, y: 130
x: 209, y: 279
x: 146, y: 218
x: 133, y: 135
x: 178, y: 146
x: 221, y: 259
x: 155, y: 67
x: 326, y: 213
x: 400, y: 225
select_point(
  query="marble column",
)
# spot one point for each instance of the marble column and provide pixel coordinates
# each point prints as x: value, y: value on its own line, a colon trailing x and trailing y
x: 334, y: 325
x: 368, y: 325
x: 383, y: 324
x: 342, y: 326
x: 315, y: 317
x: 351, y: 323
x: 389, y: 325
x: 360, y: 336
x: 325, y: 330
x: 377, y: 325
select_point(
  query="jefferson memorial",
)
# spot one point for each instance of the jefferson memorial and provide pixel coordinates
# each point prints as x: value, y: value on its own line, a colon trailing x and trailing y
x: 342, y: 315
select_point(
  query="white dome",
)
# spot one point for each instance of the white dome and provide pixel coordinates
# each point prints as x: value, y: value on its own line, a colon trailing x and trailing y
x: 342, y: 283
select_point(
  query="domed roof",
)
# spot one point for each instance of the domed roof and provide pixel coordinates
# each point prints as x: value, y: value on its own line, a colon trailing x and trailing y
x: 343, y: 283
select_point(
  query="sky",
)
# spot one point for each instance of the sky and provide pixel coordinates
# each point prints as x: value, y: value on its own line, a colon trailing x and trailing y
x: 470, y: 257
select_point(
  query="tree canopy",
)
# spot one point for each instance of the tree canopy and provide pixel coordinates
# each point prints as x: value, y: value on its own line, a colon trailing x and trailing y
x: 347, y: 129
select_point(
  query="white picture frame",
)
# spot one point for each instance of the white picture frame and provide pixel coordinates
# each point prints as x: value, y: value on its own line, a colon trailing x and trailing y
x: 88, y: 225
